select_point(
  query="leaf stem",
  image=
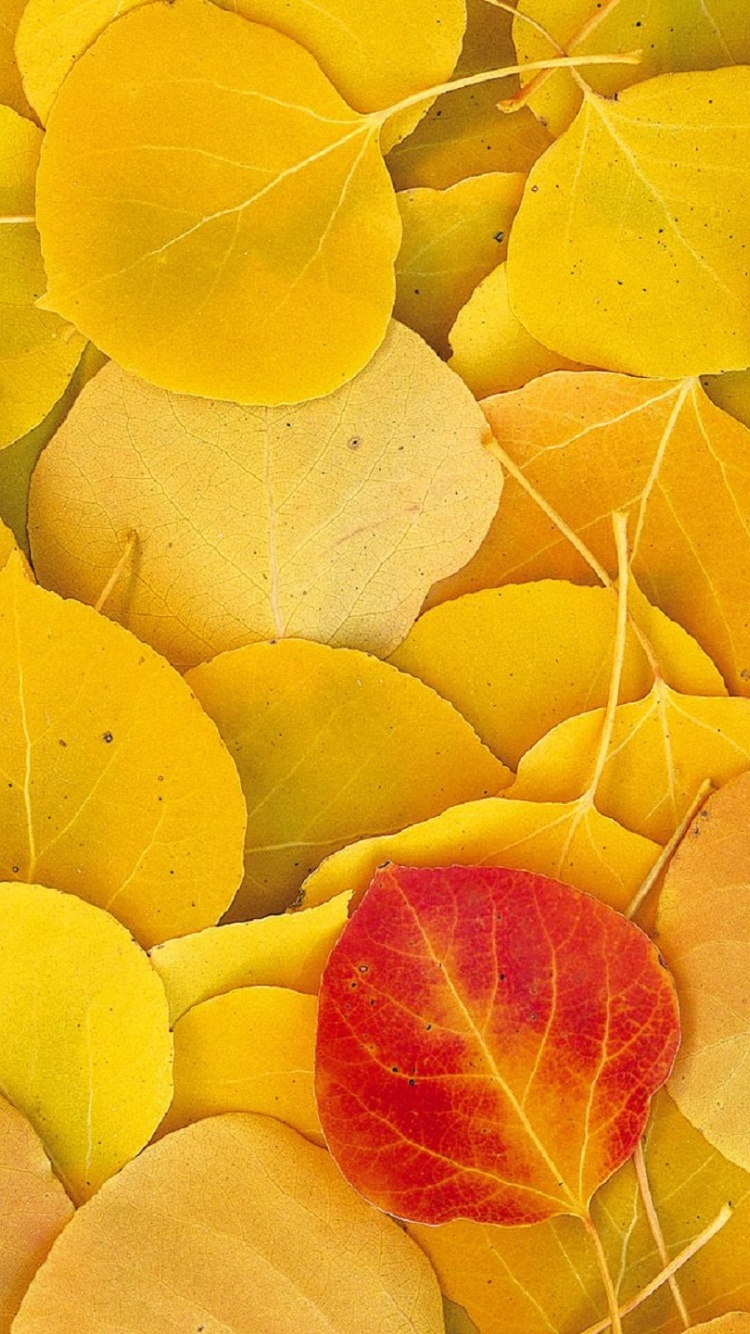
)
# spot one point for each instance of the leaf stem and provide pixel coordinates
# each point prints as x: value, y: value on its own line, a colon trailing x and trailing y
x: 131, y: 538
x: 697, y: 1244
x: 609, y: 1287
x: 487, y: 76
x: 669, y: 849
x: 641, y: 1172
x: 524, y: 94
x: 620, y: 529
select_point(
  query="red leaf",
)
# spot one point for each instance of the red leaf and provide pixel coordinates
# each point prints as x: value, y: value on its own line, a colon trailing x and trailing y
x: 488, y: 1044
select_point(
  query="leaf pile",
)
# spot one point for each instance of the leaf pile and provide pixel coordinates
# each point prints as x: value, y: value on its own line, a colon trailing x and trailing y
x: 375, y: 685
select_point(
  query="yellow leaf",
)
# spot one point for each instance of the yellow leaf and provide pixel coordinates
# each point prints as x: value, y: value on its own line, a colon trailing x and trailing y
x: 229, y: 231
x: 118, y: 788
x: 288, y: 950
x: 677, y: 465
x: 7, y: 544
x: 565, y: 841
x: 731, y: 392
x: 11, y: 91
x: 332, y: 746
x: 734, y: 1322
x: 451, y: 240
x: 633, y: 221
x: 85, y: 1048
x: 232, y: 1221
x: 671, y: 35
x: 38, y: 350
x: 34, y: 1209
x: 328, y: 521
x: 250, y: 1050
x: 703, y: 928
x: 463, y: 133
x: 492, y: 352
x: 662, y: 750
x: 517, y: 660
x: 518, y: 1280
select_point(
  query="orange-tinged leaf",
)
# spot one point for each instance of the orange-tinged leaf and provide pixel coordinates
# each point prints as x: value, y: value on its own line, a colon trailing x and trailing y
x: 234, y: 1216
x: 85, y: 1047
x: 329, y: 520
x: 635, y: 219
x: 251, y: 1050
x: 488, y: 1044
x: 567, y: 841
x: 451, y: 240
x: 464, y: 134
x: 33, y: 1211
x: 662, y: 453
x: 288, y: 950
x: 38, y: 350
x: 670, y: 35
x: 118, y: 787
x: 332, y: 746
x: 191, y: 226
x: 663, y: 748
x: 517, y: 660
x: 491, y: 350
x: 532, y: 1281
x: 702, y: 923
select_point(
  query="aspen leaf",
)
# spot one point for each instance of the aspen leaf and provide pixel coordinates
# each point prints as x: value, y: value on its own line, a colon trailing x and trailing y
x: 34, y: 1209
x: 636, y: 218
x: 250, y: 1050
x: 288, y: 950
x: 7, y: 544
x: 85, y: 1048
x: 11, y: 90
x: 329, y: 520
x: 469, y: 651
x: 332, y: 746
x: 703, y: 927
x: 463, y: 134
x: 731, y: 392
x: 38, y: 350
x: 229, y: 231
x: 488, y: 1044
x: 529, y: 1281
x: 734, y: 1322
x: 671, y: 35
x: 564, y: 841
x: 662, y: 750
x: 491, y: 350
x: 117, y: 787
x: 451, y: 240
x: 662, y: 453
x: 234, y: 1216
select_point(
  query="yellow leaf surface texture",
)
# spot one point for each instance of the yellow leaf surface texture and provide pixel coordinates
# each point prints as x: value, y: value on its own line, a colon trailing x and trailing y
x: 175, y: 209
x: 116, y: 786
x: 332, y: 745
x: 85, y: 1047
x: 230, y: 1221
x: 38, y: 350
x: 329, y: 520
x: 11, y: 90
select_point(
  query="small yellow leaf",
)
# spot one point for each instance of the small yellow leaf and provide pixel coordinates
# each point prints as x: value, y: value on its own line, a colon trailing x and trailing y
x: 118, y: 788
x: 564, y: 841
x: 661, y: 452
x: 38, y: 350
x: 329, y: 520
x: 287, y: 950
x: 663, y: 748
x: 251, y: 1050
x: 518, y: 1280
x: 451, y: 240
x: 703, y: 915
x: 33, y: 1209
x: 228, y: 231
x: 332, y: 746
x: 731, y: 393
x: 670, y: 35
x: 492, y: 352
x: 11, y: 91
x: 232, y: 1221
x: 517, y: 660
x: 85, y: 1048
x: 634, y: 220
